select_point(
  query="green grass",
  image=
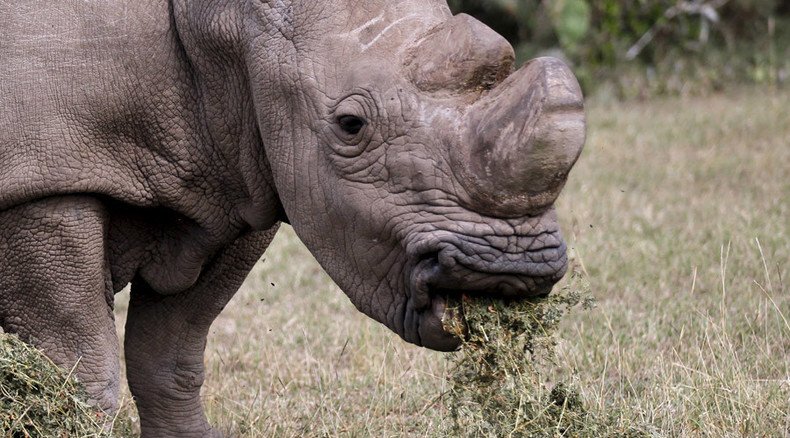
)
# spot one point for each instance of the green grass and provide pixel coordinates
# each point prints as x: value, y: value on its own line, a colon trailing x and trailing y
x: 678, y: 212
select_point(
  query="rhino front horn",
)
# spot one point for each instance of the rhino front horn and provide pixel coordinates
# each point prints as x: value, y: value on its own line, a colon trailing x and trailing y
x: 522, y: 139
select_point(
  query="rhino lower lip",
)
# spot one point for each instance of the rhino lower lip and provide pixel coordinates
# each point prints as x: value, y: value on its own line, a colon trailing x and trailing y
x: 431, y: 331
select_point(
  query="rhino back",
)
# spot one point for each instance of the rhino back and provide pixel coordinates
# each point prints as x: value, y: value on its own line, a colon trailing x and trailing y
x: 95, y: 97
x: 98, y: 97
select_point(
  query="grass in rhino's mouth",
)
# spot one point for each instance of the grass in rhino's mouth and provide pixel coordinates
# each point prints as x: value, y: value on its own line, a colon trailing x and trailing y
x: 498, y: 378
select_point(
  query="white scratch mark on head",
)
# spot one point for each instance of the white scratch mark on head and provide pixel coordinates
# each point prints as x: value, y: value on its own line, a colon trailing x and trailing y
x: 387, y: 29
x: 371, y: 22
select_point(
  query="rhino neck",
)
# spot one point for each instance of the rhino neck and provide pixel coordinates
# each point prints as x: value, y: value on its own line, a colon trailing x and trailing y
x: 211, y: 35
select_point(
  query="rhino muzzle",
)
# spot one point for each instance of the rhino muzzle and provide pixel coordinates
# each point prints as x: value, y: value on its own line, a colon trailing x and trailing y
x: 509, y: 259
x: 453, y: 271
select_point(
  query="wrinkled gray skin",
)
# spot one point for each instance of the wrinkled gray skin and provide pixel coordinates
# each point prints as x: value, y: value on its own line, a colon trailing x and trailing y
x: 161, y: 144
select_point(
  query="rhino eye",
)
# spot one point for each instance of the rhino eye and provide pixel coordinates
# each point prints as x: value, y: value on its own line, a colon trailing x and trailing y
x: 351, y: 125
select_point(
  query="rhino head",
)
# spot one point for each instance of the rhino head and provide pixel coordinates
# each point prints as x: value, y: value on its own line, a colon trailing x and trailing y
x: 409, y: 157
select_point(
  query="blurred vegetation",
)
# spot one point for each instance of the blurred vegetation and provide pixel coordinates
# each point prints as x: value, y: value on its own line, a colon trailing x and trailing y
x: 639, y: 48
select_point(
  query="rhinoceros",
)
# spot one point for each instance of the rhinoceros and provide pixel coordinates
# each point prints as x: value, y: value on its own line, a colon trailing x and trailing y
x: 161, y: 143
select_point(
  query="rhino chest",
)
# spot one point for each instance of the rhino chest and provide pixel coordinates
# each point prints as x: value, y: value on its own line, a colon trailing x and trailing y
x: 163, y: 248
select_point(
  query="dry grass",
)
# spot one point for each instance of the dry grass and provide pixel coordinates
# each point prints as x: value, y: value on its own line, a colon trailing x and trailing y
x: 499, y: 378
x: 39, y: 399
x: 679, y: 212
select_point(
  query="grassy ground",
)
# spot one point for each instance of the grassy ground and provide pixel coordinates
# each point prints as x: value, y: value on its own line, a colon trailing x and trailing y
x: 679, y: 212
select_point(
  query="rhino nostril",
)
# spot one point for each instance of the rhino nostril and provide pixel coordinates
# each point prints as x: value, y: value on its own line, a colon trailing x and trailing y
x: 423, y: 276
x: 429, y: 256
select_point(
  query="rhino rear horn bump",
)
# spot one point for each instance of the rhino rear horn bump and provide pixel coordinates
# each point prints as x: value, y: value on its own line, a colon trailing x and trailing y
x: 459, y: 55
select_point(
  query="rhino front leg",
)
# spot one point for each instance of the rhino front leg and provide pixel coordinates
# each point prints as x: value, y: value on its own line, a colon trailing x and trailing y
x: 55, y: 290
x: 166, y: 338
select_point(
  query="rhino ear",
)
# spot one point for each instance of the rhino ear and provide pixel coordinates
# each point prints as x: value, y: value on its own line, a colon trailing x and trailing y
x: 460, y: 54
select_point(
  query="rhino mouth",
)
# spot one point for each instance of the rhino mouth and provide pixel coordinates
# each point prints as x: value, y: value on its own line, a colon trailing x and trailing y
x: 452, y: 269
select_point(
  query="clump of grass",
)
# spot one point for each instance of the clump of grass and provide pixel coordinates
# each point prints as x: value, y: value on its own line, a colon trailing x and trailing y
x: 500, y: 383
x: 38, y: 398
